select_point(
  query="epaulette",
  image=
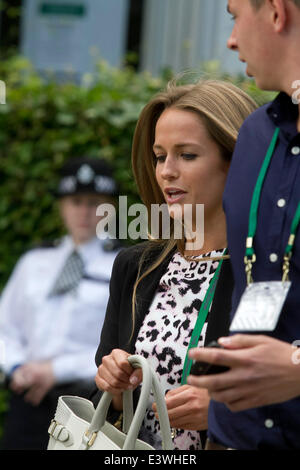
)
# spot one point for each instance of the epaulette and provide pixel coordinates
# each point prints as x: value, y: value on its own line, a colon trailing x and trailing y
x: 110, y: 244
x: 46, y: 244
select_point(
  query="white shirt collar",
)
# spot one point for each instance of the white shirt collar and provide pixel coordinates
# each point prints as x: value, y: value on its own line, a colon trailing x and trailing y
x: 86, y: 250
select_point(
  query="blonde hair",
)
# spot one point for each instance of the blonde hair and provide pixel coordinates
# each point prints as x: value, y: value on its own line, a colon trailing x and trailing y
x: 222, y: 108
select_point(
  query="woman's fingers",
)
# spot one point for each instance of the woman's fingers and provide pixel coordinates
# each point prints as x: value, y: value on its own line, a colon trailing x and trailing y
x: 115, y: 374
x: 187, y: 407
x: 136, y: 377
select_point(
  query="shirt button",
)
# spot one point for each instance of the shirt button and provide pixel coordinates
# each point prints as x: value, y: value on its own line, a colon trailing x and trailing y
x: 281, y: 202
x: 273, y: 257
x: 295, y: 150
x: 269, y: 423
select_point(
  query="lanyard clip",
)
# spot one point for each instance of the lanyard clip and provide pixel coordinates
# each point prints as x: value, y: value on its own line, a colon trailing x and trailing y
x: 287, y: 258
x: 249, y: 259
x: 248, y: 267
x: 286, y: 266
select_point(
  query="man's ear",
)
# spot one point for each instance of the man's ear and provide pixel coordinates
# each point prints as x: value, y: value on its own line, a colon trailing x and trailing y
x: 278, y: 12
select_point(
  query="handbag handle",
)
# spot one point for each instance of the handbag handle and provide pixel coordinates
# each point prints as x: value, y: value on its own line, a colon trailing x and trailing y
x: 150, y: 382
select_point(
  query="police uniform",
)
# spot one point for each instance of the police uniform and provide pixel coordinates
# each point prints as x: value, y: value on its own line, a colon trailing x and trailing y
x: 36, y: 325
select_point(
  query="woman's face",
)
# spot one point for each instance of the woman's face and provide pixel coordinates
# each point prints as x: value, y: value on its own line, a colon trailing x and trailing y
x: 79, y: 215
x: 189, y: 165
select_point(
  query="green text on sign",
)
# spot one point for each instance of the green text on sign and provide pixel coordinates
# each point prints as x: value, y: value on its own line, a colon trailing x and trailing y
x: 62, y: 9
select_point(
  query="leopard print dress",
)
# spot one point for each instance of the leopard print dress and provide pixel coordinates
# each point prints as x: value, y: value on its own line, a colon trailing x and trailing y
x: 164, y: 336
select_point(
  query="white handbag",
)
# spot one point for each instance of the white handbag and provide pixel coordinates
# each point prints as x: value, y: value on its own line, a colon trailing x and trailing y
x: 77, y: 425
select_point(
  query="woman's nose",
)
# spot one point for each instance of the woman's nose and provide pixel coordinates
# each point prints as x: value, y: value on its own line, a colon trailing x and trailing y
x: 170, y: 168
x: 85, y: 210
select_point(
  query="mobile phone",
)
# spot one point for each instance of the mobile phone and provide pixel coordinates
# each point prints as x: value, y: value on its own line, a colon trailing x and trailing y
x: 204, y: 368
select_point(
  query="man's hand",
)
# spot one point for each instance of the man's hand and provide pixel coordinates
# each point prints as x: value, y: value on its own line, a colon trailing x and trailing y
x: 187, y: 408
x: 34, y: 378
x: 262, y: 371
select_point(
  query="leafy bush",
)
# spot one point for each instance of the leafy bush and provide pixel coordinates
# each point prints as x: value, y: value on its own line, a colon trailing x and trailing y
x: 4, y: 396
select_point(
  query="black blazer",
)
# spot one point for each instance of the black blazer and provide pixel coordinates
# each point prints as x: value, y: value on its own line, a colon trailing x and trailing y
x: 117, y: 326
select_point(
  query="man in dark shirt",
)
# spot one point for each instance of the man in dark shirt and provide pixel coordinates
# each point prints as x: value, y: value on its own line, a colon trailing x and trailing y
x: 256, y: 404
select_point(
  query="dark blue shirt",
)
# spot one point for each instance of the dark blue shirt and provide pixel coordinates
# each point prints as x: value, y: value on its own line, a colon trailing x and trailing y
x: 276, y: 426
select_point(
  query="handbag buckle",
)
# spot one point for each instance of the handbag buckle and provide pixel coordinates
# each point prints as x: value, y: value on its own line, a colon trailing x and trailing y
x: 91, y: 438
x: 60, y: 433
x: 52, y: 427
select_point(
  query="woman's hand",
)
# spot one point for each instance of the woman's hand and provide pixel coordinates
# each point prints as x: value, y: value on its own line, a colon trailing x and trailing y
x: 187, y: 408
x: 34, y: 378
x: 115, y: 375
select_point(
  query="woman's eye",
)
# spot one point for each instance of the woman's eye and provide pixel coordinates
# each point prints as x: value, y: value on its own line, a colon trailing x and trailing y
x: 160, y: 158
x: 188, y: 156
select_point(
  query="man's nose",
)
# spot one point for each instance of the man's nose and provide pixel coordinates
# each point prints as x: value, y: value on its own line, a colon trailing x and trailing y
x: 232, y: 42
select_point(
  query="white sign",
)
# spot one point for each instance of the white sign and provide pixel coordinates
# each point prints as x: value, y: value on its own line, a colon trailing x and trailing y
x: 70, y: 35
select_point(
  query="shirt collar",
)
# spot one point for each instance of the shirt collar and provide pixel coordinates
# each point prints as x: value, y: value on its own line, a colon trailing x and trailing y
x: 86, y: 250
x: 284, y: 114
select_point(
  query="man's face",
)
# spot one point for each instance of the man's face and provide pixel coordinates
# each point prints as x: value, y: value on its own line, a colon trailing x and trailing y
x: 79, y: 215
x: 250, y: 37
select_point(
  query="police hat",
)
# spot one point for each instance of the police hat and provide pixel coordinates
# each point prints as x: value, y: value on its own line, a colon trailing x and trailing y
x: 86, y: 175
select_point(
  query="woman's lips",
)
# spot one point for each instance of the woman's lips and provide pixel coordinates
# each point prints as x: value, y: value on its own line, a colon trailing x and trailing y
x: 174, y: 195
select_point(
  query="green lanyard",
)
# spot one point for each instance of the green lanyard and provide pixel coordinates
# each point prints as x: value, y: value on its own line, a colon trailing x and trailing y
x: 202, y: 315
x: 250, y: 256
x: 290, y: 245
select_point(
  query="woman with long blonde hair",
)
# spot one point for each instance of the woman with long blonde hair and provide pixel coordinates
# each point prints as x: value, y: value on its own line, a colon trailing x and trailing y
x: 168, y: 295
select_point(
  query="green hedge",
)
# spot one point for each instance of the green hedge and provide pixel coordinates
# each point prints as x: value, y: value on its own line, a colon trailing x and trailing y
x: 44, y: 122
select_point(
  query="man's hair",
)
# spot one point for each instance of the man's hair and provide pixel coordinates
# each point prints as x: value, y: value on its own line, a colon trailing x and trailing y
x: 258, y: 3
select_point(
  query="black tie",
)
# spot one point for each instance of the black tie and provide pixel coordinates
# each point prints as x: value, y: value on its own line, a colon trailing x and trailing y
x: 70, y: 275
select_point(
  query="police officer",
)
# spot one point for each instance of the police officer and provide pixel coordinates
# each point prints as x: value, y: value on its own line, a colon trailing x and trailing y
x: 53, y: 307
